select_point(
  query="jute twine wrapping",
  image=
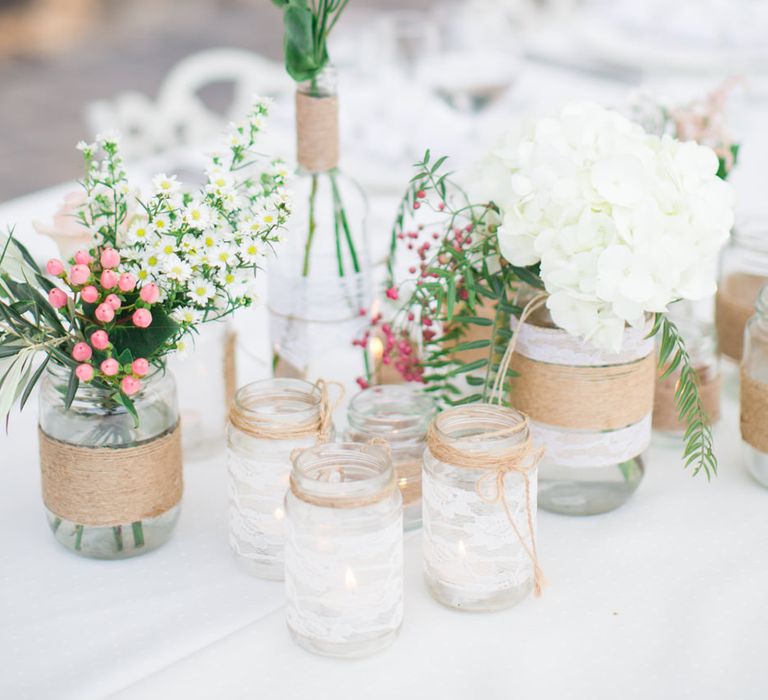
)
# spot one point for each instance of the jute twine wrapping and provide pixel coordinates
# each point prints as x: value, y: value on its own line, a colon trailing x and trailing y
x: 665, y: 413
x: 317, y: 132
x: 230, y: 366
x: 754, y: 412
x: 102, y: 486
x: 521, y: 458
x: 734, y: 305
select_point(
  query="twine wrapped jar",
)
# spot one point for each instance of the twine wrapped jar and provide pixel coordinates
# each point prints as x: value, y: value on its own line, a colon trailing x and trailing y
x: 754, y: 392
x: 344, y: 550
x: 479, y: 501
x: 111, y: 488
x: 267, y: 422
x: 398, y: 415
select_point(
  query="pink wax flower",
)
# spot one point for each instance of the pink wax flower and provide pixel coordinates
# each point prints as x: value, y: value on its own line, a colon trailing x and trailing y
x: 109, y: 279
x: 84, y: 372
x: 78, y: 274
x: 142, y: 318
x: 130, y: 385
x: 105, y: 313
x: 109, y: 367
x: 100, y: 340
x: 83, y: 258
x: 392, y: 293
x: 81, y: 352
x: 114, y: 301
x: 140, y: 366
x: 109, y: 258
x: 127, y: 282
x: 89, y: 294
x: 57, y: 298
x: 150, y: 293
x: 55, y: 267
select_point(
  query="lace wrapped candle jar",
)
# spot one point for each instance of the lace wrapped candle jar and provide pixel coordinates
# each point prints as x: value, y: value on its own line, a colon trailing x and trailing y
x: 399, y: 415
x: 344, y: 550
x: 479, y: 500
x: 754, y: 392
x: 268, y: 421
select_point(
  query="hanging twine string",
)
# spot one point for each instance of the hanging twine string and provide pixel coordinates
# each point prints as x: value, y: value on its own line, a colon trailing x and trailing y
x: 266, y: 427
x: 317, y: 132
x: 521, y: 458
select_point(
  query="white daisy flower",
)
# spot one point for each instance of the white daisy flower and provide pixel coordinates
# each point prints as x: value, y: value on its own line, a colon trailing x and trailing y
x: 224, y: 256
x: 200, y: 291
x: 139, y: 232
x: 161, y: 223
x: 197, y: 215
x: 187, y: 314
x: 165, y: 185
x: 249, y: 251
x: 177, y: 269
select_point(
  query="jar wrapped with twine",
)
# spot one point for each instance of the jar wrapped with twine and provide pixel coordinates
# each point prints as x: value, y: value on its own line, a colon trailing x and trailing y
x: 399, y: 415
x: 754, y: 392
x: 111, y: 487
x: 344, y: 550
x: 479, y: 500
x: 267, y: 422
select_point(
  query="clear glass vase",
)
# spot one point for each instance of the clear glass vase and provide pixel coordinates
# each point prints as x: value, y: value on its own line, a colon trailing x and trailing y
x: 111, y: 488
x: 754, y: 392
x: 319, y: 283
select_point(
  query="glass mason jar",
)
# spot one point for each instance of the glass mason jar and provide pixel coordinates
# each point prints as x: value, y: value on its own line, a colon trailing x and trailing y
x: 590, y: 409
x: 754, y: 392
x: 320, y: 280
x: 111, y: 488
x: 268, y: 421
x: 474, y: 558
x: 344, y: 550
x: 699, y: 337
x: 400, y: 415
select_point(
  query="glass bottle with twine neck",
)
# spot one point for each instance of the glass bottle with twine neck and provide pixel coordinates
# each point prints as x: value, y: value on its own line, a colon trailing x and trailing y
x: 319, y: 283
x: 479, y: 508
x: 344, y: 550
x: 399, y: 415
x: 754, y: 392
x: 268, y: 421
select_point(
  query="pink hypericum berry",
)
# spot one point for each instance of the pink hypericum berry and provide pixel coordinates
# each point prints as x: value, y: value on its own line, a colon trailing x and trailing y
x: 150, y: 293
x: 89, y: 294
x: 83, y: 258
x: 81, y: 352
x: 110, y: 367
x: 100, y: 340
x: 114, y: 301
x: 142, y: 318
x: 392, y: 293
x: 109, y: 279
x: 417, y: 205
x: 421, y: 194
x: 84, y: 372
x: 127, y: 282
x: 130, y: 385
x: 105, y: 313
x: 109, y: 258
x: 441, y: 206
x: 362, y: 383
x: 55, y: 267
x: 140, y: 366
x: 57, y: 298
x: 78, y: 274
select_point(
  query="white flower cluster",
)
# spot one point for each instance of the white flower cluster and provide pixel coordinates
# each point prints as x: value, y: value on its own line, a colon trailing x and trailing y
x: 621, y: 221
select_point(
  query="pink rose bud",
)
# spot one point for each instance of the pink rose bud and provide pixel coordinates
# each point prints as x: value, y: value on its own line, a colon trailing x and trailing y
x: 109, y: 279
x: 57, y: 298
x: 105, y: 313
x: 109, y: 258
x: 81, y: 352
x: 140, y: 366
x: 100, y: 340
x: 89, y: 294
x: 78, y: 274
x: 110, y: 367
x: 84, y: 372
x: 142, y: 318
x: 150, y: 293
x: 114, y: 301
x: 127, y: 282
x: 82, y: 258
x: 130, y: 385
x: 55, y: 267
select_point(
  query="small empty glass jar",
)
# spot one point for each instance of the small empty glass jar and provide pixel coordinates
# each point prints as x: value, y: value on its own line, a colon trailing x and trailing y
x: 754, y: 392
x: 400, y: 415
x: 474, y: 558
x: 344, y: 550
x: 268, y: 421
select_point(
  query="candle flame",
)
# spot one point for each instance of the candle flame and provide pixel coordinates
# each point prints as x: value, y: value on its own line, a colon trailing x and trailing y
x: 402, y: 483
x: 462, y: 548
x: 349, y: 579
x: 376, y: 346
x: 279, y: 514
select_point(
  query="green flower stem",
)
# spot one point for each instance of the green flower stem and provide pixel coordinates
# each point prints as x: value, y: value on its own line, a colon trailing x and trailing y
x: 78, y: 537
x: 56, y: 523
x: 117, y: 531
x: 344, y: 223
x: 138, y: 533
x: 337, y: 237
x: 312, y: 226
